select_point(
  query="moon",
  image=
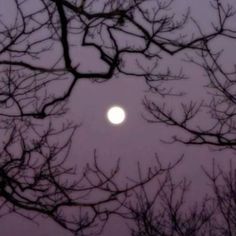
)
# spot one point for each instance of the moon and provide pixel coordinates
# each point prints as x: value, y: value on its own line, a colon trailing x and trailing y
x: 116, y: 115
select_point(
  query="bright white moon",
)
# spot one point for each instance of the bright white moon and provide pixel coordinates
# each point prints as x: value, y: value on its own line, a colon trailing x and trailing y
x: 116, y: 115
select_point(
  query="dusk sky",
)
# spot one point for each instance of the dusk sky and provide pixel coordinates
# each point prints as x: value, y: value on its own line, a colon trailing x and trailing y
x: 135, y: 140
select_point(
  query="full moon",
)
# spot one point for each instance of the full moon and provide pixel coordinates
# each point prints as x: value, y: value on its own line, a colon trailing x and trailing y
x: 116, y: 115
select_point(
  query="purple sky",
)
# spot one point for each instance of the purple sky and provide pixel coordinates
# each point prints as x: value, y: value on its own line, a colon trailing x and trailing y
x: 135, y: 140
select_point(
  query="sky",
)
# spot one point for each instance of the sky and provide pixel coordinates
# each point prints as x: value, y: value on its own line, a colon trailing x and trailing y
x: 135, y: 140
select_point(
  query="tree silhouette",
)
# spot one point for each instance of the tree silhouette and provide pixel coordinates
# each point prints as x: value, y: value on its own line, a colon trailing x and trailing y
x: 219, y: 107
x: 168, y: 210
x: 104, y: 27
x: 35, y: 179
x: 216, y: 214
x: 223, y: 184
x: 39, y: 71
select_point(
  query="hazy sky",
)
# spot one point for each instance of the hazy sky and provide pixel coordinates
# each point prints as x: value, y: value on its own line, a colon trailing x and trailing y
x: 134, y: 140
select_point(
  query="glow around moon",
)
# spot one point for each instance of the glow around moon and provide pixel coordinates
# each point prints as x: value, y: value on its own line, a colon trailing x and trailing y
x: 116, y: 115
